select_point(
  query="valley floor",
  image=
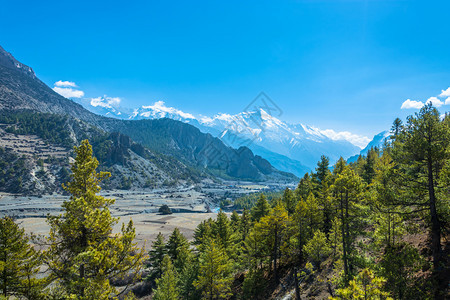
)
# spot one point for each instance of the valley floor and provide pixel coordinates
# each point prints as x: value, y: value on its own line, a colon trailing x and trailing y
x: 189, y: 206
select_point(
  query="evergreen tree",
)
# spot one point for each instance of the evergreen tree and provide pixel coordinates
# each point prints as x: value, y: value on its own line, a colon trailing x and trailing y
x: 347, y: 190
x: 322, y: 170
x: 365, y: 286
x: 260, y: 209
x: 215, y: 278
x: 304, y: 187
x: 19, y: 263
x: 398, y: 265
x: 177, y: 248
x: 167, y: 285
x: 235, y: 221
x: 368, y: 172
x: 273, y: 228
x: 397, y: 127
x: 222, y: 229
x: 203, y: 231
x: 317, y: 248
x: 84, y: 254
x: 288, y: 200
x: 245, y: 224
x: 421, y: 152
x: 156, y: 256
x: 306, y: 219
x: 187, y: 279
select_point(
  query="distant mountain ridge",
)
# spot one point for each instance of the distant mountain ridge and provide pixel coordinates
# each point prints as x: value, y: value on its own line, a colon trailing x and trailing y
x: 21, y: 90
x: 294, y: 148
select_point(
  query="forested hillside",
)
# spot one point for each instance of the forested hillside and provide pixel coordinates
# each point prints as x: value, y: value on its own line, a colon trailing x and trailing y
x: 36, y: 148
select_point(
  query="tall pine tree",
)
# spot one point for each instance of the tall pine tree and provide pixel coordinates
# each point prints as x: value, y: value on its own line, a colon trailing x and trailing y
x: 84, y: 254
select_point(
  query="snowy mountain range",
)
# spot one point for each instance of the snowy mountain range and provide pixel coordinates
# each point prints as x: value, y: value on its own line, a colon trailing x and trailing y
x: 294, y: 148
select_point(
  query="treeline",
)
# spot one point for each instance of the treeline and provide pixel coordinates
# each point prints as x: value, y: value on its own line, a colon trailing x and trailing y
x: 109, y: 148
x: 13, y: 171
x: 51, y: 128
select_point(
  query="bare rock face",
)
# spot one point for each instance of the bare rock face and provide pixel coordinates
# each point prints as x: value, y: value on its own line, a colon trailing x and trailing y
x: 8, y: 61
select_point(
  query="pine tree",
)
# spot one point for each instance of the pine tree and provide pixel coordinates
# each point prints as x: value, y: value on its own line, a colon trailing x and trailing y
x: 273, y: 227
x: 399, y: 263
x: 215, y: 278
x: 365, y: 286
x: 156, y: 256
x: 235, y: 221
x: 304, y: 187
x: 245, y: 224
x: 421, y: 152
x: 322, y: 170
x: 167, y: 285
x: 368, y: 172
x: 317, y: 248
x: 84, y: 254
x: 260, y: 209
x: 306, y: 219
x: 289, y: 200
x: 203, y: 231
x: 19, y: 262
x: 187, y: 278
x: 347, y: 191
x: 222, y: 229
x: 177, y: 248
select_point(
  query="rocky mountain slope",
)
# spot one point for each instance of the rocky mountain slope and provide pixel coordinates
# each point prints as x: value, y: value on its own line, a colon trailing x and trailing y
x: 148, y: 153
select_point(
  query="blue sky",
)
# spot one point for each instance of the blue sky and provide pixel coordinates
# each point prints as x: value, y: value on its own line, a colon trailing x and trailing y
x: 345, y: 65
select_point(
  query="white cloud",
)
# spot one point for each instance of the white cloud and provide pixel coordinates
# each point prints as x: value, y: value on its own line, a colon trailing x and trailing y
x: 412, y: 104
x: 445, y: 93
x: 161, y: 108
x: 357, y: 140
x: 435, y: 102
x: 61, y: 83
x: 105, y: 101
x: 447, y: 101
x: 68, y: 92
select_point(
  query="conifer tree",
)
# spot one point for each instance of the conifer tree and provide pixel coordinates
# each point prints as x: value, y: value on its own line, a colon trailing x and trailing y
x: 322, y: 170
x: 177, y: 248
x: 187, y: 278
x: 19, y: 263
x: 306, y: 219
x: 245, y: 224
x: 304, y: 187
x: 222, y: 229
x: 317, y: 248
x: 421, y: 152
x: 167, y: 285
x: 365, y: 286
x: 156, y: 256
x: 347, y: 190
x: 235, y: 221
x: 203, y: 231
x: 215, y: 278
x: 84, y: 254
x: 260, y: 209
x: 289, y: 200
x: 273, y: 227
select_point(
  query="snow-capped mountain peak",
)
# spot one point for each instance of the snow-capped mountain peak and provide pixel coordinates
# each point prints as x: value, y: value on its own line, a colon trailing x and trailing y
x: 263, y: 133
x: 160, y: 110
